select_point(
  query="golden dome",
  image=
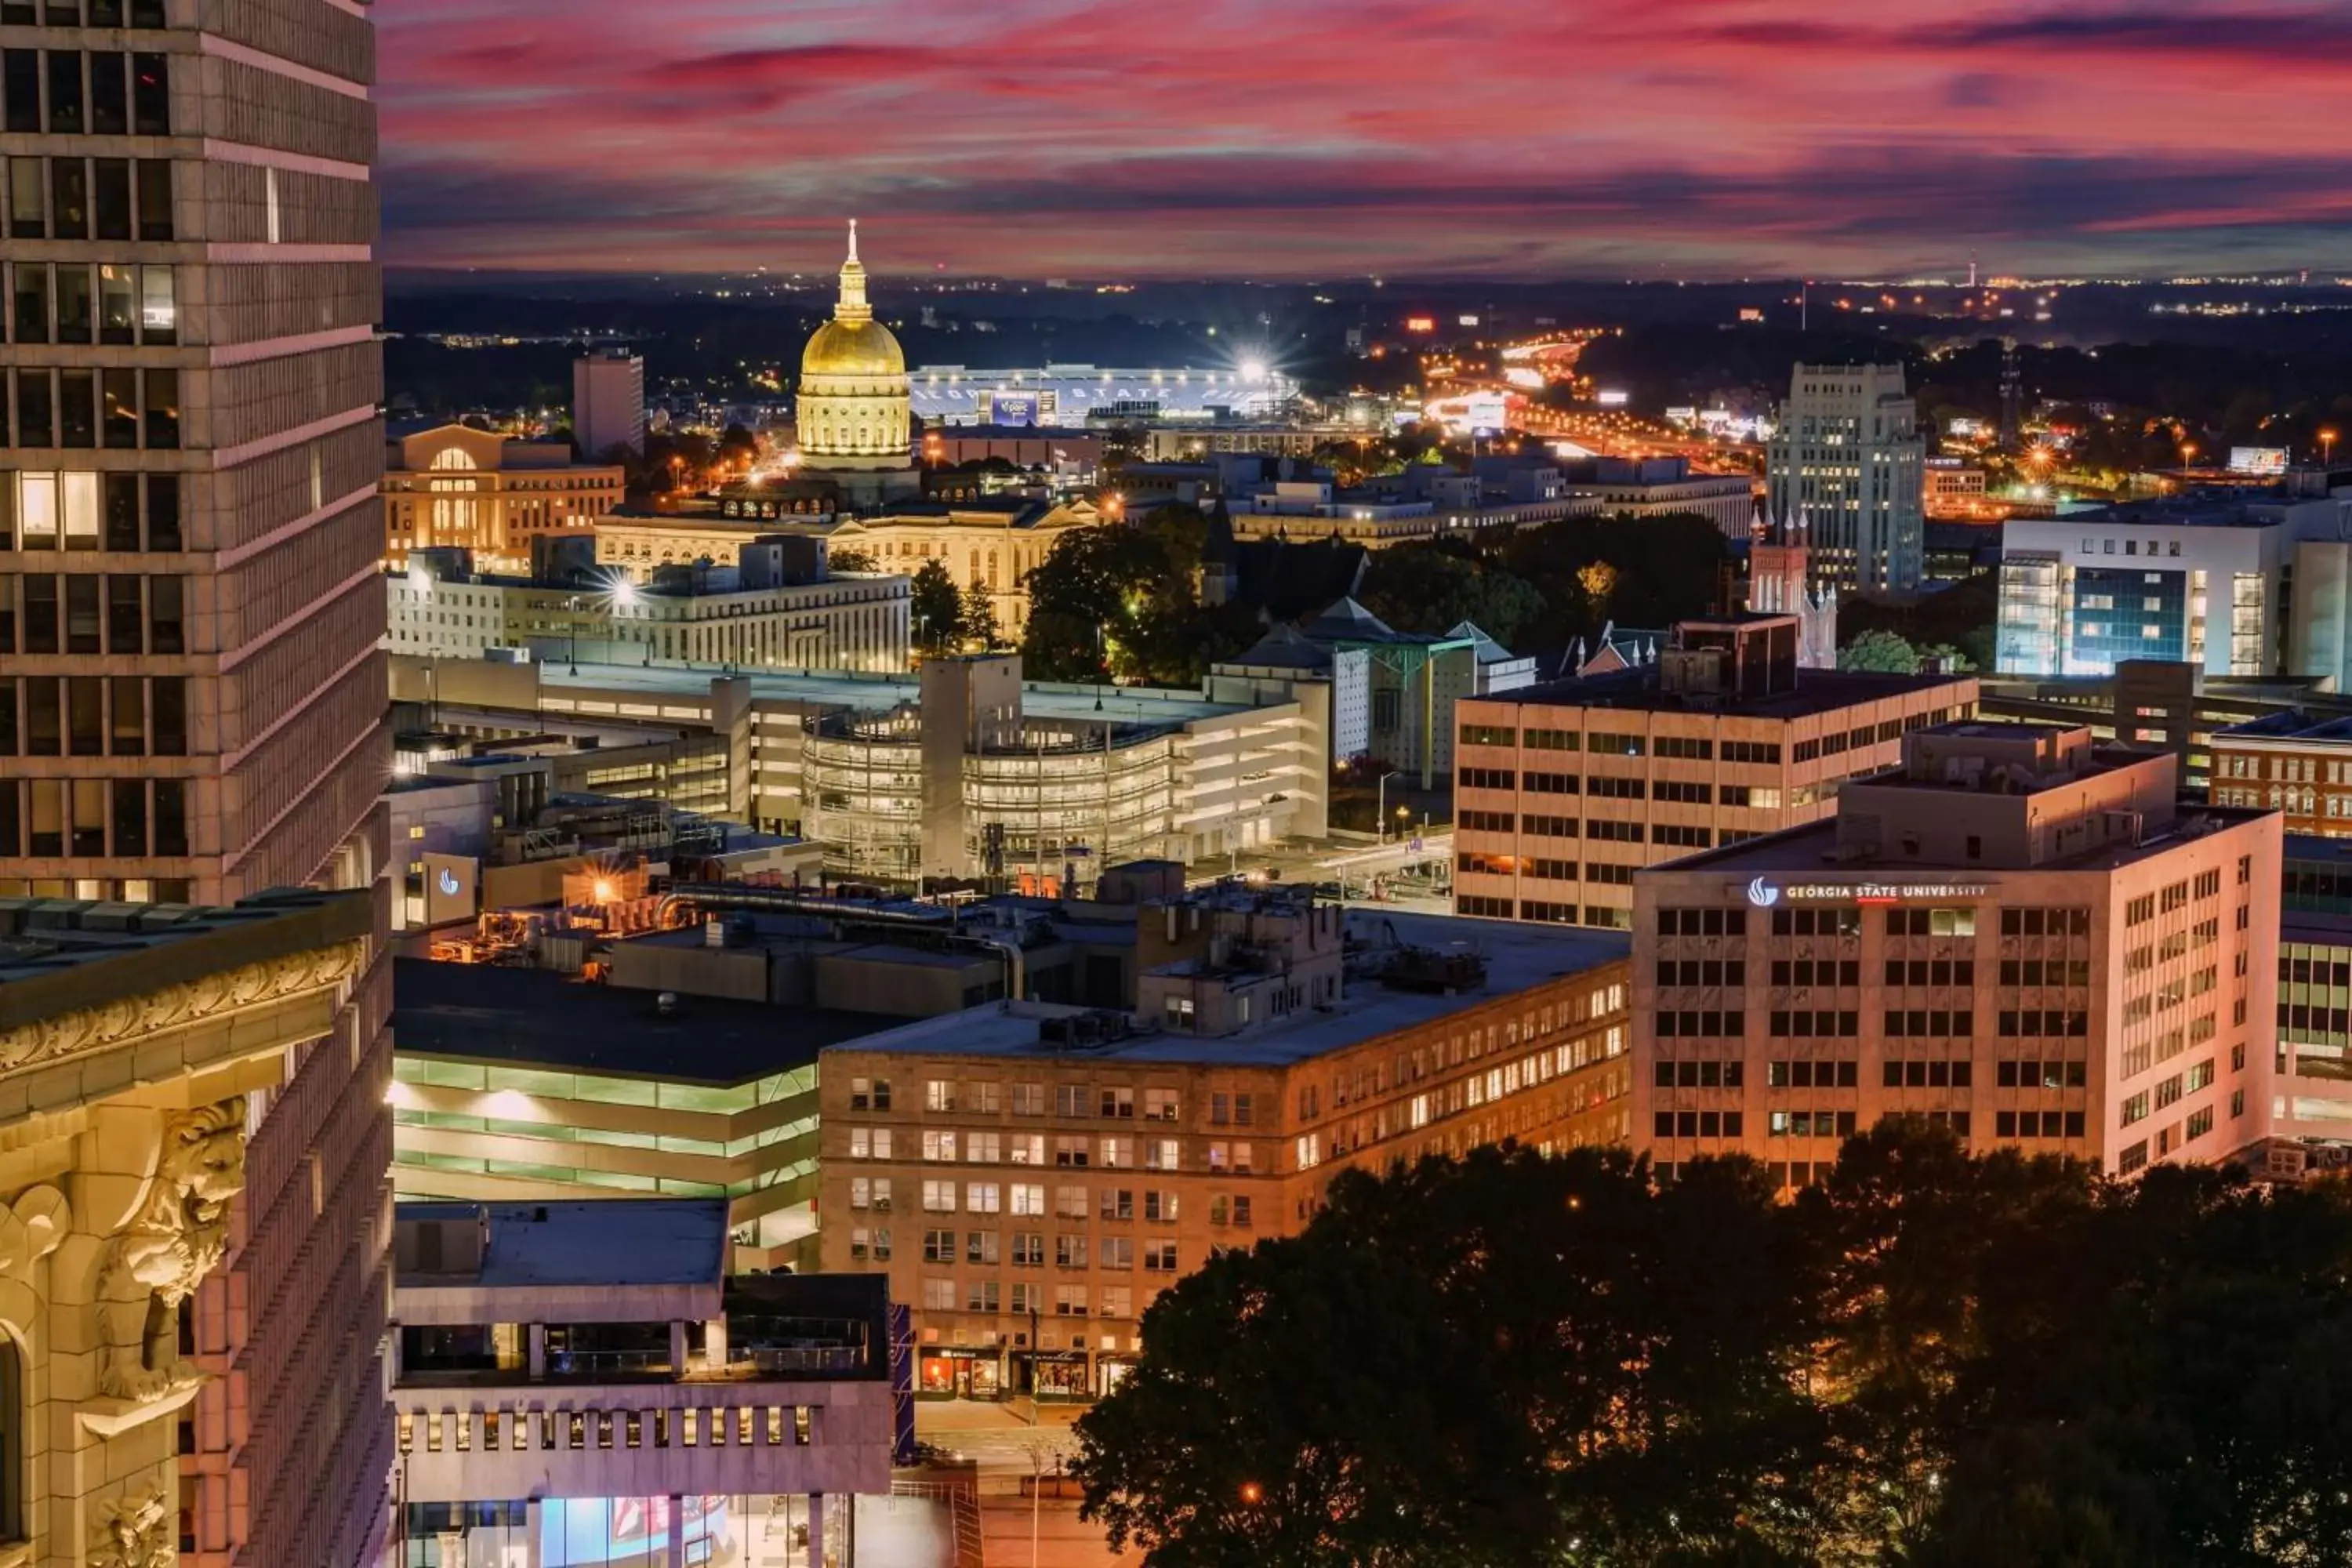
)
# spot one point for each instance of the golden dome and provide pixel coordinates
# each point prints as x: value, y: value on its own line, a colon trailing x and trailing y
x: 853, y: 349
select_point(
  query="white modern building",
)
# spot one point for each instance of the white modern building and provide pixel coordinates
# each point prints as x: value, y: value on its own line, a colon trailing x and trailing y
x: 1015, y: 777
x: 686, y: 615
x: 1069, y: 395
x: 1848, y: 461
x: 608, y: 402
x: 579, y: 1382
x: 2234, y: 585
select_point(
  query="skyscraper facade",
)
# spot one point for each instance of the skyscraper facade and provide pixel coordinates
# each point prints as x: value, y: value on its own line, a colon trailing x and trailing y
x: 192, y: 690
x: 1848, y: 465
x: 608, y: 402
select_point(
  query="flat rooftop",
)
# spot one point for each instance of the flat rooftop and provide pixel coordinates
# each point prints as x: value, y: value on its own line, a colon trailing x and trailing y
x: 1813, y: 850
x: 1519, y: 955
x: 532, y: 1017
x: 60, y: 955
x: 2294, y: 725
x: 601, y: 1241
x: 843, y: 689
x: 1639, y: 691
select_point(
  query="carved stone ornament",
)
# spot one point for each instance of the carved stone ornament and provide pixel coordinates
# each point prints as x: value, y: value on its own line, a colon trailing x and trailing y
x: 135, y: 1017
x: 30, y: 1229
x: 173, y: 1240
x: 132, y: 1532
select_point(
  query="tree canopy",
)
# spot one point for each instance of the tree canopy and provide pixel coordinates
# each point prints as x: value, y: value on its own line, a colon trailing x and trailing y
x: 1927, y: 1359
x: 1123, y: 602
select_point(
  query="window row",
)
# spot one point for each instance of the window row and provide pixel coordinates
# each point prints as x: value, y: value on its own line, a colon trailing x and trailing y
x: 2038, y: 1124
x: 89, y: 198
x: 1698, y: 1124
x: 85, y: 302
x: 1700, y: 1074
x: 120, y: 410
x: 1068, y: 1300
x: 986, y: 1097
x: 1706, y: 1024
x: 116, y: 613
x: 745, y: 1427
x: 1027, y: 1249
x: 45, y: 818
x: 82, y: 13
x: 93, y: 716
x: 120, y: 512
x: 1023, y: 1199
x: 1702, y: 971
x: 72, y: 93
x: 1819, y: 1024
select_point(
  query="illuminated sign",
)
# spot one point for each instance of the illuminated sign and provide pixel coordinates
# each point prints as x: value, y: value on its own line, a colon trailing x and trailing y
x: 2258, y: 460
x: 1764, y: 895
x: 1014, y: 408
x: 1421, y: 323
x: 1750, y: 313
x: 1612, y: 399
x: 1467, y: 321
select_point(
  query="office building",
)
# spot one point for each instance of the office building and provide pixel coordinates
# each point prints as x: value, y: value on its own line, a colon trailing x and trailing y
x: 2311, y: 1104
x: 1662, y: 487
x: 2236, y: 583
x: 192, y: 689
x: 2019, y: 935
x: 1847, y: 463
x: 608, y: 404
x: 635, y: 544
x: 1029, y: 1177
x: 1565, y: 790
x: 770, y: 613
x: 2297, y: 763
x: 1780, y: 583
x: 164, y: 1065
x: 989, y: 546
x: 692, y: 1071
x: 456, y: 488
x: 851, y: 414
x: 1013, y: 786
x: 583, y: 1383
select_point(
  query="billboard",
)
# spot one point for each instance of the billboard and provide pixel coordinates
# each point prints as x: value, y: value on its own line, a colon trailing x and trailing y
x: 2258, y: 460
x: 449, y: 888
x: 1022, y: 409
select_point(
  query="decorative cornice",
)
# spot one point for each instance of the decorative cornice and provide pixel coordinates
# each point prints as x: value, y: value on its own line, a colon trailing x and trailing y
x: 134, y: 1019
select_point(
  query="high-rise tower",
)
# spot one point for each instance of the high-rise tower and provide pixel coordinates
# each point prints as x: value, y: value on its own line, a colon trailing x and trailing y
x: 1848, y: 456
x: 192, y: 693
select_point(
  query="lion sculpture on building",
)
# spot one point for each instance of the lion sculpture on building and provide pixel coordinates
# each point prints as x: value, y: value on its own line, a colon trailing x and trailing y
x: 172, y: 1241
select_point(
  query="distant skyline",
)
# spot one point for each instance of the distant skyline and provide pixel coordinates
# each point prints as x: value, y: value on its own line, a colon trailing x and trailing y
x: 1282, y: 139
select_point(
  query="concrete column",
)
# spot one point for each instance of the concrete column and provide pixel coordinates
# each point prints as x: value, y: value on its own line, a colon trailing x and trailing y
x: 538, y: 1360
x: 714, y: 1345
x: 677, y: 1346
x: 816, y: 1530
x: 676, y: 1517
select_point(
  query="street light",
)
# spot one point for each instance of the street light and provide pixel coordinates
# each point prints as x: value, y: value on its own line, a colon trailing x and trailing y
x: 2326, y: 448
x: 1381, y: 808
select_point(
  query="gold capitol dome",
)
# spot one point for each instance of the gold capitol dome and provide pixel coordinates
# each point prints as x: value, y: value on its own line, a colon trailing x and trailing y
x: 853, y: 412
x: 853, y: 343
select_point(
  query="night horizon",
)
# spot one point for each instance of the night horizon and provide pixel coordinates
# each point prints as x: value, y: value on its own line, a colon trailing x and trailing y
x: 1694, y: 140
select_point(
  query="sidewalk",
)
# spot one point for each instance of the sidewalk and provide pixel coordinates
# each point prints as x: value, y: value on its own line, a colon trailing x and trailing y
x: 946, y: 1415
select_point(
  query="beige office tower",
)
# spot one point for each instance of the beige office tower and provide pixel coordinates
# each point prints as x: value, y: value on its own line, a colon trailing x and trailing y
x: 191, y: 692
x: 2017, y: 935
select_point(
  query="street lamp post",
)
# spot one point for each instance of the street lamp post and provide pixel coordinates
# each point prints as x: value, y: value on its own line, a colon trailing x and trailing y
x: 1381, y: 808
x: 2326, y: 448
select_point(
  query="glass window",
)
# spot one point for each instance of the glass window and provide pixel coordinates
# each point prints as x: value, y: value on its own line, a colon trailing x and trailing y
x: 75, y: 317
x: 110, y: 103
x: 119, y: 412
x: 163, y: 511
x: 21, y: 69
x: 65, y: 93
x: 159, y: 316
x: 70, y: 198
x: 30, y: 320
x: 37, y: 423
x: 77, y: 408
x: 118, y: 320
x: 169, y: 694
x: 164, y: 616
x: 27, y: 208
x: 150, y: 95
x: 153, y: 178
x: 163, y: 408
x: 82, y: 618
x: 110, y: 198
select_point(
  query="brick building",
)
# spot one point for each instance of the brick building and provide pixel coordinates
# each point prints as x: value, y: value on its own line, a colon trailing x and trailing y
x: 1030, y: 1177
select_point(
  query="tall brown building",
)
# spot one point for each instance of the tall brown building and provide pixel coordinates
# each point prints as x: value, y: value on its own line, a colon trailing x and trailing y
x: 191, y: 687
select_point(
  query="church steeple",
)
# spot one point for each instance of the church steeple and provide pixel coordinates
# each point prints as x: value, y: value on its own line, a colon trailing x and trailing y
x: 853, y: 305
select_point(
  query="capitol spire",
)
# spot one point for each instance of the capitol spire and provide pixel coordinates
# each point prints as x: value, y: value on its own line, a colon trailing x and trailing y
x: 853, y: 305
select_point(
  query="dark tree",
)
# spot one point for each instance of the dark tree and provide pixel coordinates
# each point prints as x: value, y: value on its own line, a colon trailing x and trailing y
x: 936, y: 604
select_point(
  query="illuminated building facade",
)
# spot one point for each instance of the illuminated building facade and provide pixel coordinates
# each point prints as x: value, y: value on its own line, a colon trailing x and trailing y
x: 1030, y: 1177
x: 1564, y: 790
x: 456, y: 488
x: 1846, y: 462
x: 192, y: 695
x: 851, y: 415
x: 989, y: 544
x: 579, y: 1384
x: 608, y: 402
x: 2017, y: 935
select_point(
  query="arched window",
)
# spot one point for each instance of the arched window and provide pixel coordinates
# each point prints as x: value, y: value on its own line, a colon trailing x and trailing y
x: 453, y: 458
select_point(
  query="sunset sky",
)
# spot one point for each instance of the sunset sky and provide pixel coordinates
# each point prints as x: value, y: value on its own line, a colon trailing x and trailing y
x: 1328, y: 138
